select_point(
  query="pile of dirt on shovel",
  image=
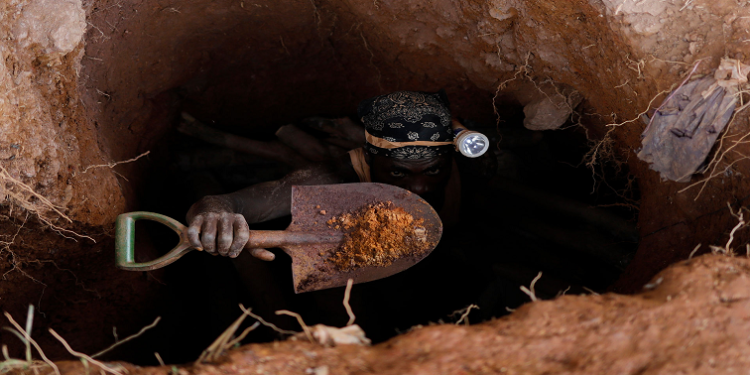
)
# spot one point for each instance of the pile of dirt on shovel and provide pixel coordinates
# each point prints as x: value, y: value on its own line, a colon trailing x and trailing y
x: 376, y: 235
x: 692, y: 318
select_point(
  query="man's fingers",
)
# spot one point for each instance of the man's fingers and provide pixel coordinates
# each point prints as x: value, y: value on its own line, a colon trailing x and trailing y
x: 241, y: 235
x: 194, y: 232
x: 225, y: 234
x: 263, y: 254
x: 208, y: 237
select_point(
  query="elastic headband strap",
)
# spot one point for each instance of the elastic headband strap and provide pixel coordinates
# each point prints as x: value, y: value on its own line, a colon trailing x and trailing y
x: 382, y: 143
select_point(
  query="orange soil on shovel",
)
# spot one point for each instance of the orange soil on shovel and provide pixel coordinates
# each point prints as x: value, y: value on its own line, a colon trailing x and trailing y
x: 379, y: 233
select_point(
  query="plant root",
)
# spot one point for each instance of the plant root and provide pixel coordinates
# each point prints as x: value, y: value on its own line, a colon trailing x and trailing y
x: 530, y: 290
x: 347, y: 294
x: 464, y: 314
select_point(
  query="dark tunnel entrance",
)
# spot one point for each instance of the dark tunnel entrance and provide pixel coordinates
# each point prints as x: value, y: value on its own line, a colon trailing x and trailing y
x: 249, y: 69
x: 531, y: 207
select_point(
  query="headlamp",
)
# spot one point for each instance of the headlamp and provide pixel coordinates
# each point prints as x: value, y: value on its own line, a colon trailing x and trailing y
x: 469, y: 143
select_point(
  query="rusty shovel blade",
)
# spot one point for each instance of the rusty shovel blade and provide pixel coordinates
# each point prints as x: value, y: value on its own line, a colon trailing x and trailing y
x: 313, y: 206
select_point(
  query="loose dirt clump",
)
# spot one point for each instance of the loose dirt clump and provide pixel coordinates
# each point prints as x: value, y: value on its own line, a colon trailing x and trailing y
x: 379, y: 233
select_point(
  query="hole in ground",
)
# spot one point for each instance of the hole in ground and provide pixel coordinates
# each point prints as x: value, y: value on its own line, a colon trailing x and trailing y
x: 228, y: 67
x: 531, y: 207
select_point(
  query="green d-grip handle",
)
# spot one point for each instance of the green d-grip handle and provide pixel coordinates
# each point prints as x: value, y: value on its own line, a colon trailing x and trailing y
x: 125, y: 241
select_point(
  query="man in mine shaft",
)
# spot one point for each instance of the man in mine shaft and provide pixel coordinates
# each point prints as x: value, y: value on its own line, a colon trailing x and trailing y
x: 409, y: 144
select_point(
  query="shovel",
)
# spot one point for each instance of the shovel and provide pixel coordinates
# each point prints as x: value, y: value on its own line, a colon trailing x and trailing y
x: 308, y: 240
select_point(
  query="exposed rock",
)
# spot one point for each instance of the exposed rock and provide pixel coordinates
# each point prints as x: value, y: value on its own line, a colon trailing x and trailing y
x: 550, y: 111
x: 56, y: 27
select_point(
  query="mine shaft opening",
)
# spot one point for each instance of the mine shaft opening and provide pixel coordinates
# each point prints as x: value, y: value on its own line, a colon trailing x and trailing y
x: 534, y: 207
x: 537, y: 207
x: 95, y: 126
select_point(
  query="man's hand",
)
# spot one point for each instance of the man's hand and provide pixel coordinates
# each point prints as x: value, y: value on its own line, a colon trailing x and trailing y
x: 218, y: 223
x: 222, y: 233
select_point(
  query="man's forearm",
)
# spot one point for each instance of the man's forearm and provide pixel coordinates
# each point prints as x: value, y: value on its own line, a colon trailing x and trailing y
x: 269, y: 200
x: 264, y: 201
x: 257, y: 203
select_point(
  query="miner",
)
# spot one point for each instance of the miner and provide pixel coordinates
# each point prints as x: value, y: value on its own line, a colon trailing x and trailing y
x: 409, y: 144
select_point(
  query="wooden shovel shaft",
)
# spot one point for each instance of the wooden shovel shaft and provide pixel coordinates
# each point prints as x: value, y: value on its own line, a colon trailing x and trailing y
x: 278, y: 238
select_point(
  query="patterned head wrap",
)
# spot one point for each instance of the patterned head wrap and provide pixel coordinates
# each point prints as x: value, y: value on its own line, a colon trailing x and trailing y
x: 407, y: 125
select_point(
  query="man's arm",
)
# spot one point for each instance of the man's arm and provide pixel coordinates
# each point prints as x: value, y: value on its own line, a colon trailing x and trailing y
x: 219, y: 223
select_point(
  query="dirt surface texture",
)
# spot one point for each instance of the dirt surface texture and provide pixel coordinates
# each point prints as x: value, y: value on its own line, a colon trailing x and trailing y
x: 376, y: 235
x: 90, y: 91
x: 692, y: 319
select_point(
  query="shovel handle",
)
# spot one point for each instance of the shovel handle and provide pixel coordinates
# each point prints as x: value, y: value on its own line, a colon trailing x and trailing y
x: 283, y: 238
x: 125, y: 241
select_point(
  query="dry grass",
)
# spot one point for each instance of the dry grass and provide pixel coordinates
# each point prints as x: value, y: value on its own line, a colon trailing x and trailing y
x: 131, y: 337
x: 25, y: 336
x: 226, y: 340
x: 83, y: 357
x: 30, y: 364
x: 265, y: 323
x: 305, y: 328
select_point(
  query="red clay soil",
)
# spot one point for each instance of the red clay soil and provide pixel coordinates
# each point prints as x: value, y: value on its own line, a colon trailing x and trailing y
x: 693, y: 318
x: 376, y: 235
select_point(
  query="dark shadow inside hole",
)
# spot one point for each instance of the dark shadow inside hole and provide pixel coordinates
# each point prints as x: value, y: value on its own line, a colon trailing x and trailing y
x: 537, y: 211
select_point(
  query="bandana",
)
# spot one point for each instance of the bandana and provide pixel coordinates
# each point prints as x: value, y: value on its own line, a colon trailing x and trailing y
x: 407, y: 125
